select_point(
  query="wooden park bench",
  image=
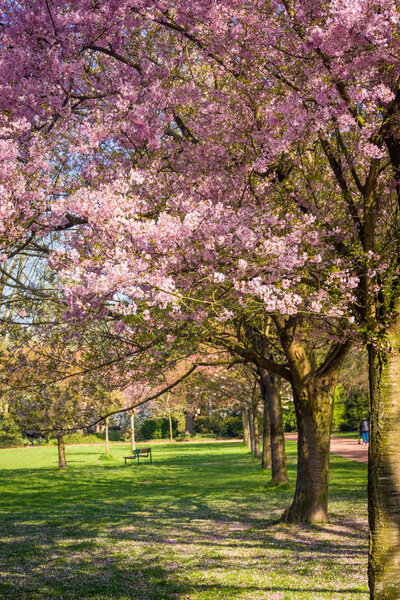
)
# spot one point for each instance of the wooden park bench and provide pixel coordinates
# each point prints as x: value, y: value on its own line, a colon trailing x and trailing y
x: 140, y: 453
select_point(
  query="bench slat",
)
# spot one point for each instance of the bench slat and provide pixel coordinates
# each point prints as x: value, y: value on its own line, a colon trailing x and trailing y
x: 144, y: 452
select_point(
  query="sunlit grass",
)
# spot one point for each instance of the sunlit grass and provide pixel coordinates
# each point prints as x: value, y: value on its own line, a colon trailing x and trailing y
x: 200, y: 523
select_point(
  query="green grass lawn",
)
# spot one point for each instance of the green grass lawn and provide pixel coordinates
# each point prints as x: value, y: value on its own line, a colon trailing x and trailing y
x: 200, y: 523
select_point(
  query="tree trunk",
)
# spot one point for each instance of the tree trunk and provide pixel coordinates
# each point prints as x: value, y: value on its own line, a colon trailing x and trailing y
x: 256, y: 432
x: 107, y: 445
x: 314, y: 410
x: 171, y: 439
x: 313, y: 395
x: 278, y: 453
x: 189, y: 425
x: 62, y: 461
x: 384, y: 470
x: 251, y: 430
x: 266, y: 435
x: 246, y: 431
x: 133, y: 443
x: 250, y: 441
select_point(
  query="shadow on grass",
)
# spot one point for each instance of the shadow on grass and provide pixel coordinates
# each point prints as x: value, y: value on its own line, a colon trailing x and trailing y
x: 163, y: 531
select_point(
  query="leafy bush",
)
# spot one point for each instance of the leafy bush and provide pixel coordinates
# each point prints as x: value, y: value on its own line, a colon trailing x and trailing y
x: 114, y: 435
x: 77, y: 438
x: 157, y: 429
x: 232, y: 427
x: 10, y: 434
x: 219, y: 426
x: 106, y: 457
x: 209, y: 424
x: 356, y: 406
x: 12, y: 441
x: 289, y: 418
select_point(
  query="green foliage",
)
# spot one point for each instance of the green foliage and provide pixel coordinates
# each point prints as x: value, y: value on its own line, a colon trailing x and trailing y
x: 356, y: 406
x: 157, y: 429
x: 106, y: 457
x: 78, y: 438
x: 10, y: 434
x: 232, y: 427
x: 115, y: 435
x: 289, y: 418
x: 208, y: 424
x: 219, y: 426
x: 339, y: 416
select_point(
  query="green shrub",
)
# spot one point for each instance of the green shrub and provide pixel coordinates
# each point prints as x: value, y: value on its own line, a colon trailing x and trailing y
x: 157, y: 429
x: 106, y: 457
x: 209, y: 424
x: 232, y: 427
x: 12, y: 441
x: 219, y: 426
x: 356, y: 406
x: 114, y: 435
x: 10, y: 434
x: 79, y: 438
x: 289, y: 418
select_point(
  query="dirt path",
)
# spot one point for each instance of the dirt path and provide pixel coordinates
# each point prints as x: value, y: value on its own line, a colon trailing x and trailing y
x: 346, y: 447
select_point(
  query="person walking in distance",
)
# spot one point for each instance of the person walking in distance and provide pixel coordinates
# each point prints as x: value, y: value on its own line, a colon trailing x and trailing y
x: 364, y: 430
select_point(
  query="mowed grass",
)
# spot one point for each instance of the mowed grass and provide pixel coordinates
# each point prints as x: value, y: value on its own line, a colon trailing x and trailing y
x: 200, y: 523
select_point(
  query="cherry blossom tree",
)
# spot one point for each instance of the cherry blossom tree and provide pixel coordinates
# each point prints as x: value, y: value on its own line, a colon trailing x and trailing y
x: 192, y: 134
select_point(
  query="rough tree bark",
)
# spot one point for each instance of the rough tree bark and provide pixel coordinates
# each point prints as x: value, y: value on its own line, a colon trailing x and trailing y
x: 107, y: 444
x: 266, y: 434
x: 269, y: 389
x: 384, y: 470
x: 246, y: 430
x: 133, y: 443
x: 251, y: 430
x: 256, y: 431
x: 314, y: 410
x: 189, y: 425
x: 62, y: 461
x: 313, y: 395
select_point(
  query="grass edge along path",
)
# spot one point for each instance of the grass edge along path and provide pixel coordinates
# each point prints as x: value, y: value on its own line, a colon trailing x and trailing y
x: 201, y: 523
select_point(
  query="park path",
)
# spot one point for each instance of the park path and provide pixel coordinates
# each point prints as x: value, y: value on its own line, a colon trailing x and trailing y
x: 346, y: 447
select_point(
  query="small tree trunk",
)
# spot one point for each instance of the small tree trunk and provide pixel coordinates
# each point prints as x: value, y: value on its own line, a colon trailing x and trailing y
x: 107, y: 445
x: 266, y: 436
x: 246, y: 431
x: 251, y: 430
x: 270, y: 388
x: 384, y: 470
x: 189, y: 425
x: 249, y: 424
x: 133, y: 443
x: 97, y: 428
x: 62, y: 461
x: 257, y: 450
x: 171, y: 439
